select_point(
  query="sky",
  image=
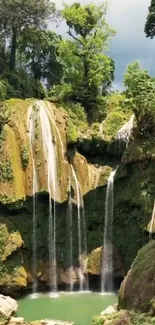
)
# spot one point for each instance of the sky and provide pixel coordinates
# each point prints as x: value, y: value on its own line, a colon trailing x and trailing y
x: 128, y: 18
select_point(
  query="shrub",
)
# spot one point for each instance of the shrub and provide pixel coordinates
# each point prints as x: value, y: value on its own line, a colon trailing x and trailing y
x: 24, y: 155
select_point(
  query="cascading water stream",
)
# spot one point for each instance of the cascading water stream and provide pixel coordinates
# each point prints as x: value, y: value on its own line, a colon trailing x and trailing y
x: 50, y: 156
x: 31, y: 129
x: 125, y: 131
x: 81, y: 276
x: 70, y: 237
x: 152, y: 223
x: 107, y: 259
x: 85, y: 240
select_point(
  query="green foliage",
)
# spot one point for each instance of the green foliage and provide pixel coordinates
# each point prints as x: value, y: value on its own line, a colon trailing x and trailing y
x: 24, y: 155
x: 20, y: 85
x: 3, y: 90
x: 72, y: 133
x: 4, y: 117
x: 38, y: 49
x: 140, y: 91
x: 22, y: 14
x: 114, y: 122
x: 85, y: 66
x: 6, y: 173
x: 150, y: 22
x: 60, y: 92
x: 77, y: 115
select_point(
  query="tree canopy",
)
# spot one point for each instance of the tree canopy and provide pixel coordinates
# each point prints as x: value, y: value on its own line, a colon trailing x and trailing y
x: 150, y: 22
x: 140, y: 90
x: 85, y: 65
x: 16, y: 15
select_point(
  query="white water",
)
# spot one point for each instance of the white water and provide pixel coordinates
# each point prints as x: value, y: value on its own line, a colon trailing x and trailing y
x: 107, y: 259
x: 51, y: 117
x: 78, y: 195
x: 70, y: 238
x: 125, y: 132
x: 50, y: 156
x: 31, y: 129
x: 152, y: 223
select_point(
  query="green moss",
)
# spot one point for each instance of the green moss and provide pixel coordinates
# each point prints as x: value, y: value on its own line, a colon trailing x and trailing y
x: 72, y: 133
x: 137, y: 290
x: 6, y: 173
x: 24, y: 151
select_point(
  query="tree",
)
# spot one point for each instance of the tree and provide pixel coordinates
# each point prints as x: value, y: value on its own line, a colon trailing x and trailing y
x: 140, y: 91
x: 16, y: 15
x: 150, y: 22
x: 85, y: 65
x: 38, y: 49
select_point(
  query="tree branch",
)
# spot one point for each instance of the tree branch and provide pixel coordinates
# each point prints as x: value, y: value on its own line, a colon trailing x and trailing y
x: 75, y: 38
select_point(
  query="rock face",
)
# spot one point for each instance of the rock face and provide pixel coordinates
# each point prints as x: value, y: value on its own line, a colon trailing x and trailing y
x: 138, y: 288
x: 94, y: 263
x: 8, y: 306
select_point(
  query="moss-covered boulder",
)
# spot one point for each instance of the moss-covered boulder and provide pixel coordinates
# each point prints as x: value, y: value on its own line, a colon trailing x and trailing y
x: 138, y: 288
x: 124, y: 317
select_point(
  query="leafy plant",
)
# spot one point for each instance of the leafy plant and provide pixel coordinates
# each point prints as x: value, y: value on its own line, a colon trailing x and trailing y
x: 24, y: 155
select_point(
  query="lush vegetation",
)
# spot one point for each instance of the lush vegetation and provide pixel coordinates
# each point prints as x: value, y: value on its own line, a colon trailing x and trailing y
x: 36, y: 61
x: 140, y: 92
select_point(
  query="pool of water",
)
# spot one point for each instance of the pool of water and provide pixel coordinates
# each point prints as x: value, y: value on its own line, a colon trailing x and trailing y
x: 77, y: 307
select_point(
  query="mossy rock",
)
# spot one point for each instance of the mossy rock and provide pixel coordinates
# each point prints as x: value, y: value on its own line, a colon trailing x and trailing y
x: 10, y: 239
x: 124, y: 317
x: 138, y: 288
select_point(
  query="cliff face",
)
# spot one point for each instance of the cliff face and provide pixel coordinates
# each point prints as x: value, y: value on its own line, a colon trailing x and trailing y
x: 92, y: 154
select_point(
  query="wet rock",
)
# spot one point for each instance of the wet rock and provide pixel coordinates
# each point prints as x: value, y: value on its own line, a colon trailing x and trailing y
x: 94, y: 263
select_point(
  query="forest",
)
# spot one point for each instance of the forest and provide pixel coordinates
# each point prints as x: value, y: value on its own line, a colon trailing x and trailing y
x: 37, y: 62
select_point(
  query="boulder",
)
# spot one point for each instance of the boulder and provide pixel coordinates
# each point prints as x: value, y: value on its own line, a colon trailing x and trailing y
x: 8, y: 306
x: 16, y: 321
x: 110, y: 310
x: 137, y: 291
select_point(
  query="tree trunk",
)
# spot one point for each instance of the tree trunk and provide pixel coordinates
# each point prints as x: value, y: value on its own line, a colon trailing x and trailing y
x: 13, y: 50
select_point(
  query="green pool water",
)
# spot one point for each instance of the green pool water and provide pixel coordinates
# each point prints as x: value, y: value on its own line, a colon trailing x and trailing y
x: 76, y: 307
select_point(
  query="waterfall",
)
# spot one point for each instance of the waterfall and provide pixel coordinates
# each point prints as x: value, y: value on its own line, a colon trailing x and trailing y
x: 107, y: 259
x: 31, y: 129
x: 80, y: 205
x: 51, y: 117
x: 124, y: 133
x: 70, y: 236
x: 152, y: 223
x: 50, y: 156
